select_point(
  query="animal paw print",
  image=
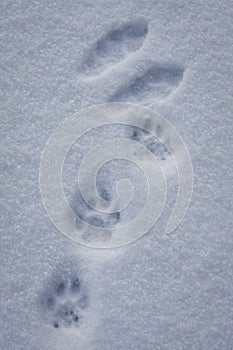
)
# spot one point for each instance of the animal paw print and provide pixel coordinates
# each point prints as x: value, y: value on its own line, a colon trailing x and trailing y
x: 90, y: 216
x: 115, y: 46
x: 156, y: 83
x: 145, y: 137
x: 66, y: 303
x: 155, y: 146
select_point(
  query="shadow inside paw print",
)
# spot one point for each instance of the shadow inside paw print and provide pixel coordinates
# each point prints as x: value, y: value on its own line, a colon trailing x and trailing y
x: 156, y: 83
x: 146, y: 137
x: 94, y: 218
x: 153, y: 144
x: 115, y: 46
x: 102, y: 220
x: 65, y: 303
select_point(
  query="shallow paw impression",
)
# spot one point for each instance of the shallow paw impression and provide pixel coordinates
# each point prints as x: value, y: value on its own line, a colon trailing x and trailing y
x: 65, y: 302
x: 93, y: 218
x: 144, y: 137
x: 90, y: 216
x: 115, y: 46
x: 147, y: 139
x: 156, y: 83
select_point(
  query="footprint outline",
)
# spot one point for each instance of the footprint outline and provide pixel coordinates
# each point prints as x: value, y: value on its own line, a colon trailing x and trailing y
x: 64, y: 302
x: 156, y: 83
x: 115, y: 46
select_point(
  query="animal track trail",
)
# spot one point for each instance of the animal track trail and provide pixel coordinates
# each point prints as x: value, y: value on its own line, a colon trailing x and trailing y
x: 115, y: 46
x: 156, y: 83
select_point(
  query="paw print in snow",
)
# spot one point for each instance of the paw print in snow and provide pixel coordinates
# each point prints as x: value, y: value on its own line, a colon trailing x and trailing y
x: 66, y: 303
x: 148, y: 140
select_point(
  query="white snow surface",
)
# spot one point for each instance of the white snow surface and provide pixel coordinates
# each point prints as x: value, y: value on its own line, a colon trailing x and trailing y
x: 167, y: 292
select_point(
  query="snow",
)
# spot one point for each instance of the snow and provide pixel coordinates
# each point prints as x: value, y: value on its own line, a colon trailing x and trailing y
x: 162, y: 291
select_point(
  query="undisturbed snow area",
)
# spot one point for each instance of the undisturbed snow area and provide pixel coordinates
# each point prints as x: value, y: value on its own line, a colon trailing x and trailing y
x: 168, y: 292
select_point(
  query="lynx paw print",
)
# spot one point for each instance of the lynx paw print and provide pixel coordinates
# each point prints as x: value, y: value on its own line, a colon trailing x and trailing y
x: 65, y: 303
